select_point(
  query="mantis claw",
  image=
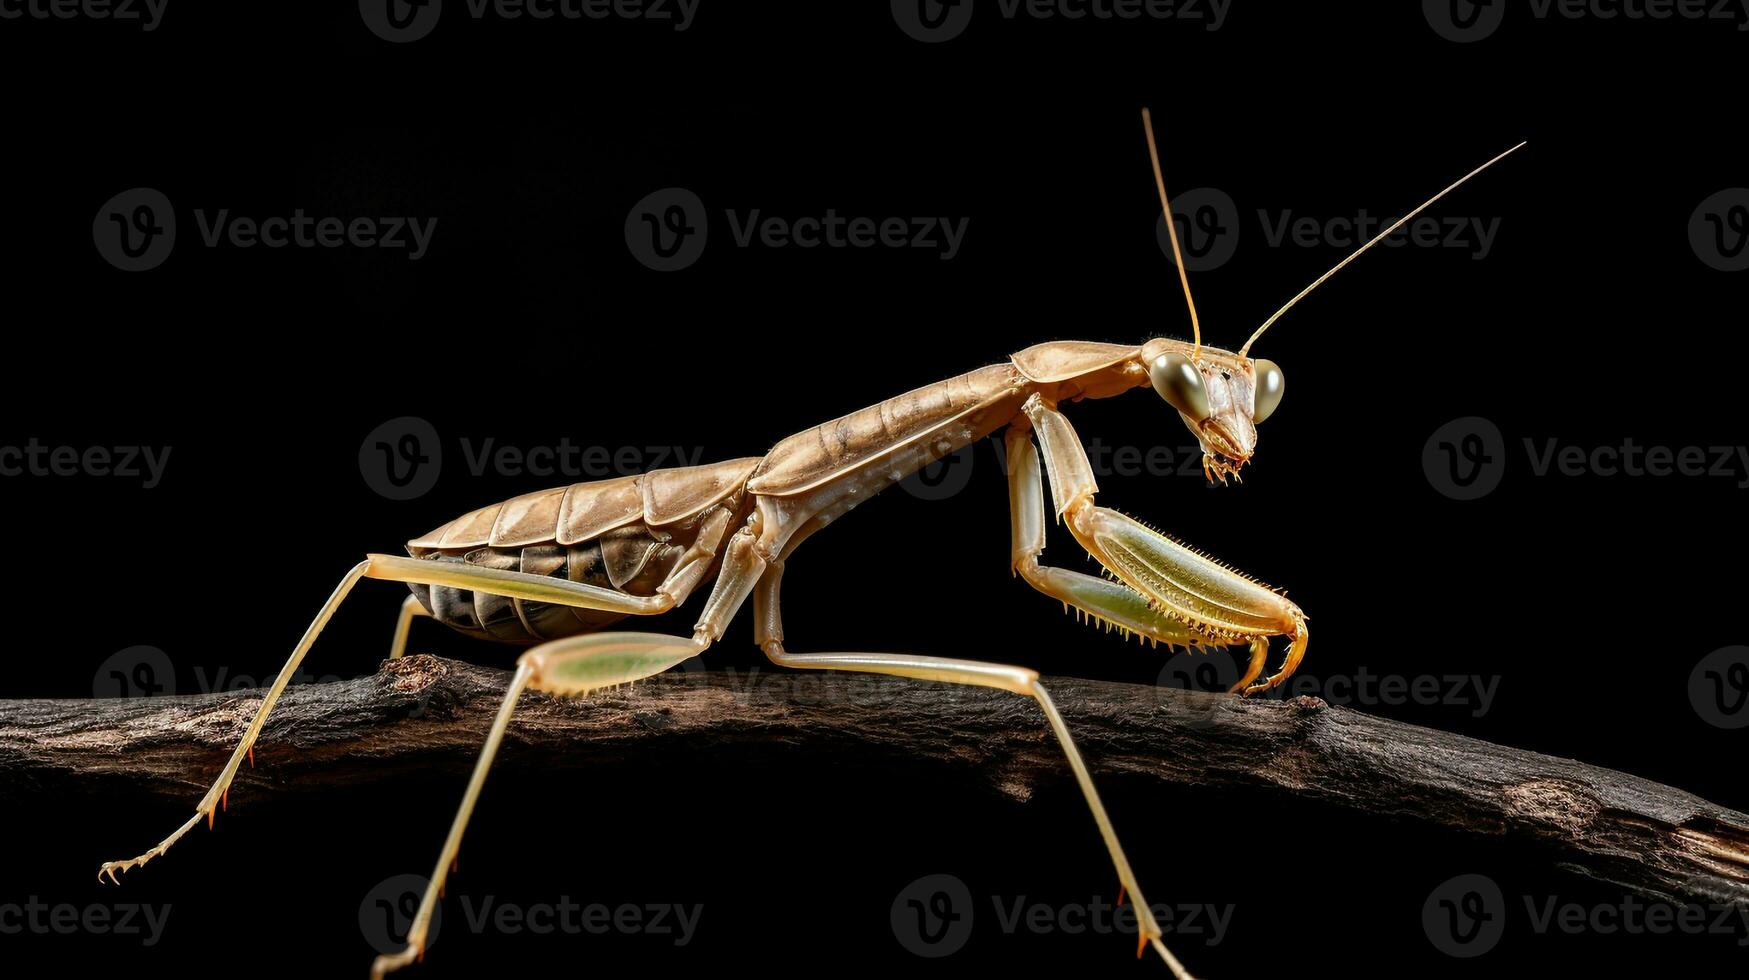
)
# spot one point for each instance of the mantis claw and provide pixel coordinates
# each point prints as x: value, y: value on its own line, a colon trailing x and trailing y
x: 111, y: 867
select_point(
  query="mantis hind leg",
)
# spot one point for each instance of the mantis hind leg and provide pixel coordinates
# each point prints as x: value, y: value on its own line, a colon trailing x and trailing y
x: 1015, y: 680
x: 397, y: 569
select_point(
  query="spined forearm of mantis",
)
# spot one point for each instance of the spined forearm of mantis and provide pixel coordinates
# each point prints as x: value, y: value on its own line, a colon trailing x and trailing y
x: 553, y: 569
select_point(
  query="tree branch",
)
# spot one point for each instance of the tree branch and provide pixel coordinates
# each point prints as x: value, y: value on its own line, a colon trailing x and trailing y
x: 424, y: 712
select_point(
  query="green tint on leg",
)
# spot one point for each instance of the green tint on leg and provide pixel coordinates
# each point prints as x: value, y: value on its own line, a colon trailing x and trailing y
x: 580, y: 664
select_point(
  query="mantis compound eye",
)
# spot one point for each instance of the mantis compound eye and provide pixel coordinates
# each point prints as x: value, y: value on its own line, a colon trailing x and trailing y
x: 1268, y: 391
x: 1180, y: 383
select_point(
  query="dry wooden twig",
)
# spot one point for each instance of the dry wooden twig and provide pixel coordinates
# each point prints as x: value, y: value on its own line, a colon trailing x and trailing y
x: 421, y: 712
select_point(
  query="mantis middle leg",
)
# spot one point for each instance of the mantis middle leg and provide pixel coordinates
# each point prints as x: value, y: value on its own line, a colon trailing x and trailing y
x: 768, y: 628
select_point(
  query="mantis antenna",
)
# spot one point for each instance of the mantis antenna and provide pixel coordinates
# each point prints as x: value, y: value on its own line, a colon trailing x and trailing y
x: 1379, y: 237
x: 1172, y: 231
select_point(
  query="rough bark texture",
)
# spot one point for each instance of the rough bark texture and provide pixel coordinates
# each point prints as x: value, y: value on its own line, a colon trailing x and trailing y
x: 425, y: 712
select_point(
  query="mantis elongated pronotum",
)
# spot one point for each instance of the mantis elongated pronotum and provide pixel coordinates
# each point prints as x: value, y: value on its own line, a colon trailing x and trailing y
x: 552, y: 568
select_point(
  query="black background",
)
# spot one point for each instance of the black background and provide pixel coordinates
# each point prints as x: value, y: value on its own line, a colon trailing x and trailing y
x: 1588, y: 600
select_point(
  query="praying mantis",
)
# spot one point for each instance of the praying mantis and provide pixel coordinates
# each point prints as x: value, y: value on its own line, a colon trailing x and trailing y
x: 554, y: 568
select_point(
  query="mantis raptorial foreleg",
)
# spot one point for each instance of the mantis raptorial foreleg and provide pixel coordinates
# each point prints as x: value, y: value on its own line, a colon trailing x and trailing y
x: 393, y: 568
x: 1113, y: 602
x: 768, y: 630
x: 1104, y: 599
x: 1215, y: 602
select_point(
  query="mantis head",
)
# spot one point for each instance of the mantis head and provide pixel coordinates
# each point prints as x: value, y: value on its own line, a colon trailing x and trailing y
x: 1220, y: 396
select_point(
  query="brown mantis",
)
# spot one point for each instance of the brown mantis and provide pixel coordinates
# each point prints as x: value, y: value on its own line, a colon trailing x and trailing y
x: 555, y: 567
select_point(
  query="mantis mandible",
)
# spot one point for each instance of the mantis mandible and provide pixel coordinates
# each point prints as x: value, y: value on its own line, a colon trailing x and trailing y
x: 553, y: 568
